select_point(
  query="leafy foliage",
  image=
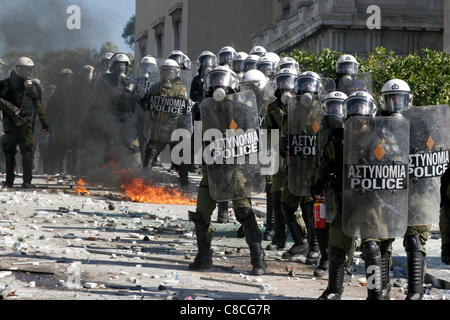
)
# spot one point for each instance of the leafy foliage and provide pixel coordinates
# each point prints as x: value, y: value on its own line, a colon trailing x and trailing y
x: 427, y: 73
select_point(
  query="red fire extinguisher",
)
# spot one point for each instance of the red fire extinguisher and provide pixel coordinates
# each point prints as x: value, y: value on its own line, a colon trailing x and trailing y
x: 320, y: 220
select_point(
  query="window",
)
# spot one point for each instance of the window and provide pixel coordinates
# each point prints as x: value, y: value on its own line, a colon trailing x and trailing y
x: 158, y: 26
x: 286, y: 7
x: 176, y: 12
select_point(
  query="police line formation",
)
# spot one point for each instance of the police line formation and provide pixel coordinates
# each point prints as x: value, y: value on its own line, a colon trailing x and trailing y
x: 347, y: 168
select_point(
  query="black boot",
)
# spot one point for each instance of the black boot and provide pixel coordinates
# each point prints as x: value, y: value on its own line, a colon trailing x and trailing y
x: 150, y: 156
x: 246, y: 218
x: 372, y: 259
x: 10, y: 163
x: 415, y: 260
x: 300, y: 242
x: 313, y: 255
x: 26, y: 151
x: 203, y: 260
x: 322, y: 241
x: 385, y: 249
x: 279, y: 238
x: 222, y: 212
x: 336, y: 275
x: 270, y: 216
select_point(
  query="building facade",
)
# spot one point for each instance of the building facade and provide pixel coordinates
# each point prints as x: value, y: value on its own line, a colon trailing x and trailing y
x: 348, y: 26
x: 194, y: 26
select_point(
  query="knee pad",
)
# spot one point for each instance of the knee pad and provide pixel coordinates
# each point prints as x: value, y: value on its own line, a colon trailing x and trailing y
x: 370, y: 250
x: 195, y: 217
x: 413, y: 243
x: 244, y: 214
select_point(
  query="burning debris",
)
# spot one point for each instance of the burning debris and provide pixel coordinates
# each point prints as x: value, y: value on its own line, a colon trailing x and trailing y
x: 80, y: 189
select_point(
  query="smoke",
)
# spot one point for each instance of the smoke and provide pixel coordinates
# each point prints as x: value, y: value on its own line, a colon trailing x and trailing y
x: 41, y: 25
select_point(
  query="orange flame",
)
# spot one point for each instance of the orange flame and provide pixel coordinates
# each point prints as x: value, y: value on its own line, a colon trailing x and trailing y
x: 79, y: 189
x: 140, y: 191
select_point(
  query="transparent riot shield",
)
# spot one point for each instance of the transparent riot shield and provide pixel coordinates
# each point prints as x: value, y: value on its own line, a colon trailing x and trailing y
x: 231, y: 146
x: 327, y: 123
x: 304, y: 114
x: 375, y: 177
x: 356, y: 82
x: 428, y: 160
x: 170, y: 111
x: 328, y: 85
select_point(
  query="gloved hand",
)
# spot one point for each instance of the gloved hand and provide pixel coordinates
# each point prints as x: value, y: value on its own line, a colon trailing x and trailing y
x: 284, y: 149
x: 318, y: 189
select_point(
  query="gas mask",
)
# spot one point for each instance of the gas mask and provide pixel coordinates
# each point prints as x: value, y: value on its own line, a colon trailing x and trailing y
x: 307, y: 99
x: 347, y: 80
x: 285, y: 97
x: 219, y: 94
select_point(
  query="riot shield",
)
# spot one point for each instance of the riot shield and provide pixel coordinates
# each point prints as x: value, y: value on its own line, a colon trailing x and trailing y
x: 428, y: 160
x: 148, y: 78
x: 327, y: 123
x: 170, y: 112
x: 375, y: 177
x: 304, y: 114
x: 329, y: 85
x: 231, y: 145
x: 356, y: 82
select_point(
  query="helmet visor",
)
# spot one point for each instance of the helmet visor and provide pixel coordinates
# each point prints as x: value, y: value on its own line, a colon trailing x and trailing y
x: 146, y: 68
x: 359, y: 106
x: 182, y: 60
x: 396, y: 102
x: 220, y: 79
x: 285, y: 82
x: 248, y: 65
x: 225, y: 56
x: 169, y: 72
x: 26, y: 72
x: 266, y: 67
x: 208, y: 61
x: 347, y: 68
x: 307, y: 84
x: 333, y: 106
x: 289, y: 65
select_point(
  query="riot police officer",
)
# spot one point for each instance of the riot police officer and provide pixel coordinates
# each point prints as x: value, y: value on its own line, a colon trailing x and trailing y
x: 256, y: 81
x: 332, y: 118
x: 236, y: 64
x: 396, y: 99
x: 219, y: 181
x: 165, y: 119
x: 306, y: 104
x: 365, y: 140
x: 62, y: 112
x: 117, y: 93
x: 105, y: 65
x: 21, y: 103
x: 274, y: 120
x: 226, y: 55
x: 348, y: 78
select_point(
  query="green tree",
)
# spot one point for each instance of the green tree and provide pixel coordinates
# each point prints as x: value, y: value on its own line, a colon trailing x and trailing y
x: 128, y: 32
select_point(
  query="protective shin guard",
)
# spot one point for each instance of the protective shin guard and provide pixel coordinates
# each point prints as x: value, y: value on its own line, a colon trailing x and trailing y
x: 336, y: 275
x: 246, y: 218
x: 270, y: 217
x: 279, y: 238
x: 415, y: 261
x: 386, y: 262
x: 300, y: 243
x: 203, y: 260
x: 150, y: 156
x: 372, y: 258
